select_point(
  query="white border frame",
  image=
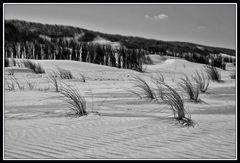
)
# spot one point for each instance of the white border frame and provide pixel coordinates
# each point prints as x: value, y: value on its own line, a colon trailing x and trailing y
x: 116, y: 4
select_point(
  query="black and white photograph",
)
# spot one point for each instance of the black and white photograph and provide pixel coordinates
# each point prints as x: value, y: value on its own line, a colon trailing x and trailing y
x: 119, y: 81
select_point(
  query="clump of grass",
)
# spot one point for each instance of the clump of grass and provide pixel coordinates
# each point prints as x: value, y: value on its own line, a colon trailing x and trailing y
x: 6, y: 62
x: 213, y: 73
x: 142, y: 89
x: 36, y: 68
x: 64, y: 74
x: 190, y: 89
x: 82, y: 77
x: 202, y: 81
x: 10, y: 72
x: 53, y: 78
x: 172, y: 98
x: 75, y: 100
x: 10, y: 86
x: 31, y: 85
x: 159, y: 77
x: 17, y: 82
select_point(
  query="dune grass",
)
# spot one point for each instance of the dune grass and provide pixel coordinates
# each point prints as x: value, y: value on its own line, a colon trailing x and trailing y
x: 64, y: 74
x: 202, y: 81
x: 53, y: 78
x: 36, y: 68
x: 30, y: 85
x: 191, y: 89
x: 82, y: 77
x: 172, y: 98
x: 17, y: 82
x: 142, y: 89
x: 74, y: 99
x: 213, y: 73
x: 10, y: 85
x: 11, y: 72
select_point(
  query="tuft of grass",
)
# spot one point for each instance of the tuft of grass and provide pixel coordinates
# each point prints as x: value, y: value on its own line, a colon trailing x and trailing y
x: 64, y: 74
x: 202, y: 81
x: 159, y: 77
x: 82, y: 77
x: 17, y: 82
x: 53, y: 78
x: 10, y: 72
x: 213, y: 73
x: 36, y: 68
x: 31, y: 85
x: 142, y: 89
x: 75, y: 100
x: 6, y: 62
x: 190, y: 89
x: 172, y: 98
x: 10, y: 86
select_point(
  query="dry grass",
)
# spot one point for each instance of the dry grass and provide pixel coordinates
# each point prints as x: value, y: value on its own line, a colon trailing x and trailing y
x: 142, y: 89
x: 53, y: 78
x: 82, y: 77
x: 74, y: 99
x: 172, y: 98
x: 191, y: 89
x: 36, y: 68
x: 202, y: 81
x: 64, y: 74
x: 213, y: 73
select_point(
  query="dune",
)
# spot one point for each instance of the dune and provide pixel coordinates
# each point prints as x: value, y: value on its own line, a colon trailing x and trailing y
x: 39, y: 125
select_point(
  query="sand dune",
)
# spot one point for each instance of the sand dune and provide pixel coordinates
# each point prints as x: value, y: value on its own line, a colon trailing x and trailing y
x: 38, y: 124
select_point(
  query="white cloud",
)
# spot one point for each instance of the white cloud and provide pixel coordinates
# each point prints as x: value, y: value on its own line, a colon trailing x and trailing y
x: 157, y: 17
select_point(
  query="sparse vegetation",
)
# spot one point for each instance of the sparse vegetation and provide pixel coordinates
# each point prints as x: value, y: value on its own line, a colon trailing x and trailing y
x: 82, y: 77
x: 18, y: 83
x: 202, y: 81
x: 142, y: 89
x: 174, y: 100
x: 10, y: 86
x: 36, y: 68
x: 31, y: 85
x: 53, y: 78
x: 10, y: 72
x: 191, y: 90
x: 213, y: 73
x: 75, y: 100
x: 64, y: 74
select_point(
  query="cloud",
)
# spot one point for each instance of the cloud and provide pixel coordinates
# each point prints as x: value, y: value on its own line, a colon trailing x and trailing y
x: 157, y: 17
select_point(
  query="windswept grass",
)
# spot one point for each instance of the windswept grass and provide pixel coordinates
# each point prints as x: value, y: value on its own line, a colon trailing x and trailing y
x: 10, y: 85
x: 172, y: 98
x: 213, y: 73
x: 10, y: 72
x: 82, y: 77
x: 159, y: 77
x: 202, y: 81
x: 36, y: 68
x: 31, y: 85
x: 142, y: 89
x: 17, y: 82
x: 74, y: 99
x: 53, y: 78
x: 191, y: 90
x: 64, y: 74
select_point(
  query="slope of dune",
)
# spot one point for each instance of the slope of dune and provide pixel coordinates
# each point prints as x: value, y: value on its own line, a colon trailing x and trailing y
x: 40, y: 125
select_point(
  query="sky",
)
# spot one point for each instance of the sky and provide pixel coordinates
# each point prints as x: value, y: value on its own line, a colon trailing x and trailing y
x: 206, y: 24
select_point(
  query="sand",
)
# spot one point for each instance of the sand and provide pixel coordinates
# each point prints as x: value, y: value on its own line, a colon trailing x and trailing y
x: 39, y: 125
